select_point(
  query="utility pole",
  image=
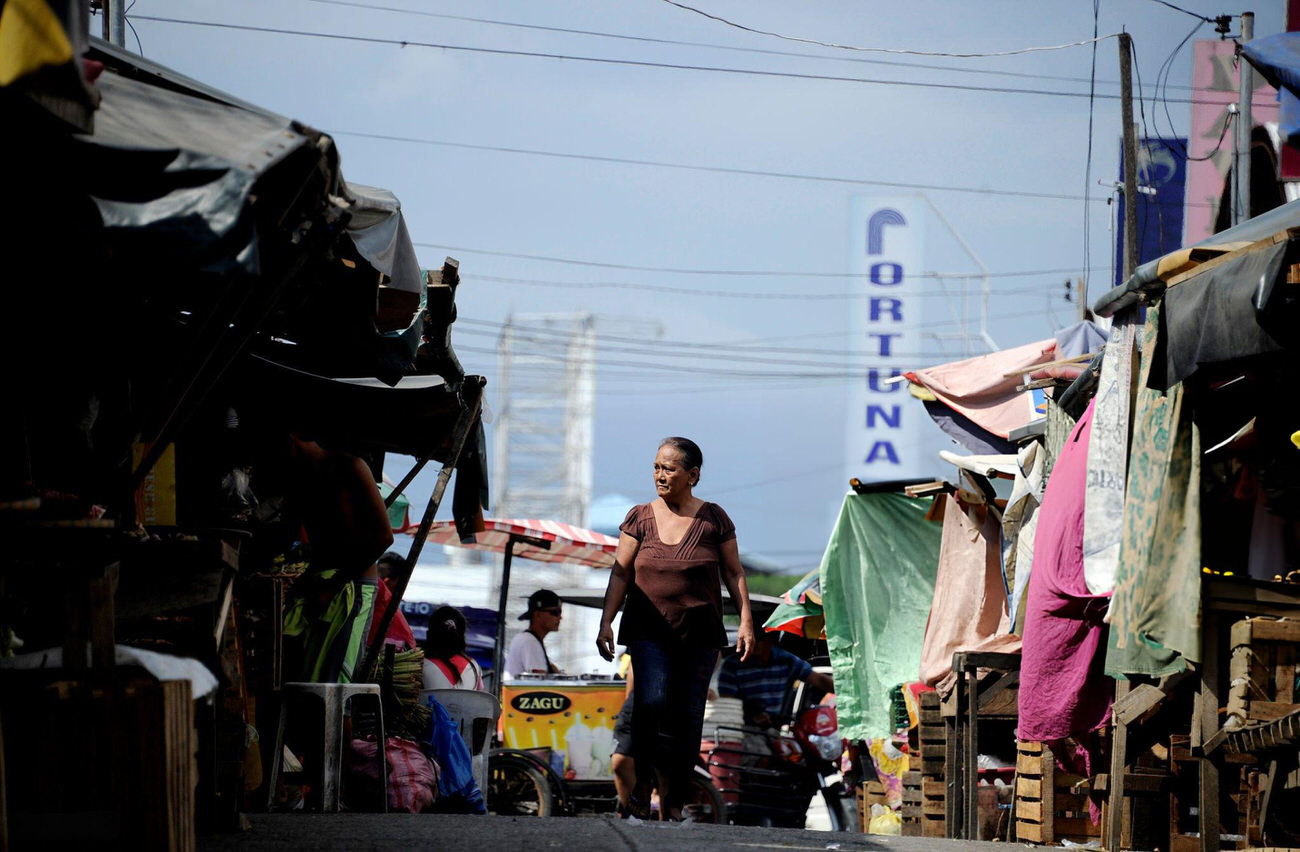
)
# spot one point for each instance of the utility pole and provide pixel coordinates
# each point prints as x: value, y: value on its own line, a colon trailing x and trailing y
x: 1130, y: 162
x: 114, y: 12
x: 1241, y: 154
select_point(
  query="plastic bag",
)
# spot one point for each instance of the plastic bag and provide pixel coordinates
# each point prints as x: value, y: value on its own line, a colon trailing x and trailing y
x: 884, y: 821
x: 453, y: 758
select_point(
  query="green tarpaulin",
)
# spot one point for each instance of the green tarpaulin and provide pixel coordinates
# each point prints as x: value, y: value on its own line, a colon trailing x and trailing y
x: 877, y: 580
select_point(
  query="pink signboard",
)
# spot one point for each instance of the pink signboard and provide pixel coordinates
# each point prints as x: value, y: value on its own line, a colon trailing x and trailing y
x: 1214, y: 80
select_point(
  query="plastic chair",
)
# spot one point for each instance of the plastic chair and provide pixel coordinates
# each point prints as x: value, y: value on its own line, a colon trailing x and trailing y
x: 333, y: 699
x: 475, y: 713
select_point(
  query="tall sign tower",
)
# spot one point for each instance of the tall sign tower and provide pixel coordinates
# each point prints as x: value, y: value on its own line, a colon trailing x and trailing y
x: 885, y: 424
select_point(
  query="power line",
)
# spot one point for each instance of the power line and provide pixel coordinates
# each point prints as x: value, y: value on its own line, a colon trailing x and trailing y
x: 1185, y: 11
x: 686, y: 348
x: 749, y: 273
x: 750, y: 72
x: 1087, y: 169
x: 1022, y: 50
x: 731, y: 294
x: 1011, y: 193
x: 712, y: 45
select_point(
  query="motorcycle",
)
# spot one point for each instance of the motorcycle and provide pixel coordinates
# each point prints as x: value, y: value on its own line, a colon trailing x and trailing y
x: 769, y: 777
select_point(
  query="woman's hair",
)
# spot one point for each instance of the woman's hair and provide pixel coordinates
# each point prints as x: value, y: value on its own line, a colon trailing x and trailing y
x: 691, y: 455
x: 446, y: 635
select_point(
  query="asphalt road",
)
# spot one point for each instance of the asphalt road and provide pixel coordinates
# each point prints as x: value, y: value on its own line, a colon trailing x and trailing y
x: 524, y: 834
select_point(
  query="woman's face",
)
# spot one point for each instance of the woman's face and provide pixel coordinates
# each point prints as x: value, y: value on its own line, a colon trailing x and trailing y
x: 673, y: 479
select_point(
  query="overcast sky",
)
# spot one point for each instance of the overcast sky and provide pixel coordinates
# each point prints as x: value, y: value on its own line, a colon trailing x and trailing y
x: 967, y: 129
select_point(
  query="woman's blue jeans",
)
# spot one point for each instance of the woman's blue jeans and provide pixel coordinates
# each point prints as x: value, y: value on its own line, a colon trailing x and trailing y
x: 670, y: 685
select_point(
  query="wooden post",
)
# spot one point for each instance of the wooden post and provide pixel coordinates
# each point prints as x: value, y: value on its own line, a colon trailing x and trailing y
x: 1130, y: 156
x: 1208, y: 705
x: 971, y: 780
x: 1118, y: 760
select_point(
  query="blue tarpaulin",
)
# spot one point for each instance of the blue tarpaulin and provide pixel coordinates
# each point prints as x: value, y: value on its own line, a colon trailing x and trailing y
x: 1277, y: 57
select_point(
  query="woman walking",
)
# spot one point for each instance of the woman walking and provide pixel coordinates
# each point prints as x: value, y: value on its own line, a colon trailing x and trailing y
x: 672, y: 553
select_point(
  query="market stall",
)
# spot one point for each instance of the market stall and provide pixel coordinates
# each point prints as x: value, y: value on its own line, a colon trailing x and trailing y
x: 218, y: 312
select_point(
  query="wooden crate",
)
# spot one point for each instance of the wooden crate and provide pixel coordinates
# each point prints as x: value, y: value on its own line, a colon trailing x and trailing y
x: 911, y: 812
x: 923, y: 806
x: 1047, y: 808
x: 1263, y: 669
x: 931, y: 737
x: 869, y: 793
x: 118, y: 760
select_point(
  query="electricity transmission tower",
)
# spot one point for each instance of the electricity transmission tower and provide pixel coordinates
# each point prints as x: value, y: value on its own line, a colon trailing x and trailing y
x: 545, y: 414
x: 546, y: 407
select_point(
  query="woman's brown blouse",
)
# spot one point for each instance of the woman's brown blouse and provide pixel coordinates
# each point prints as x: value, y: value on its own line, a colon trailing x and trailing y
x: 677, y: 592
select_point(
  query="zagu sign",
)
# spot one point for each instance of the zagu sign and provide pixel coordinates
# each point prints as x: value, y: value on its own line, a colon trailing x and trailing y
x: 541, y: 703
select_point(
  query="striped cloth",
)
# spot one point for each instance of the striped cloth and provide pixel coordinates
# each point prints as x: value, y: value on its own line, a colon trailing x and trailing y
x: 766, y: 683
x: 568, y: 543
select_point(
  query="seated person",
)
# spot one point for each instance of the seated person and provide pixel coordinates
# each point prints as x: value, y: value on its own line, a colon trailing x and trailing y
x: 763, y: 682
x: 447, y: 664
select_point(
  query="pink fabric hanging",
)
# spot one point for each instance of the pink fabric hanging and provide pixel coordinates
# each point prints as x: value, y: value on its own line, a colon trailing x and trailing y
x: 1064, y: 690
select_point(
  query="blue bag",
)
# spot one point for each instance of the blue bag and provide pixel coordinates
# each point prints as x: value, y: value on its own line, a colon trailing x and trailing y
x: 449, y: 749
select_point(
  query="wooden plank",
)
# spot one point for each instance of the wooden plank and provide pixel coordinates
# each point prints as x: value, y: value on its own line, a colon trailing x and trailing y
x: 952, y: 773
x: 1118, y: 762
x: 1269, y: 630
x: 1032, y: 810
x: 1208, y: 707
x: 934, y: 767
x: 1029, y: 788
x: 1029, y: 747
x: 1284, y: 674
x: 934, y: 807
x: 934, y: 828
x: 1002, y: 705
x: 933, y: 788
x: 1048, y: 766
x: 1268, y: 711
x: 1137, y: 702
x: 1029, y: 764
x: 1077, y: 826
x: 910, y: 811
x: 1029, y: 832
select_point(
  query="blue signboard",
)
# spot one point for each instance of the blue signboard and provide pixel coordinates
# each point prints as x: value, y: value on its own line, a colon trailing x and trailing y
x: 1162, y: 183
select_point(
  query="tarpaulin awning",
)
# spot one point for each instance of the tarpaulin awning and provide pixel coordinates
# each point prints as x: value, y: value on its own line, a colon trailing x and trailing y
x: 172, y: 164
x: 1148, y: 282
x: 801, y: 611
x: 1220, y: 303
x: 982, y: 393
x: 416, y: 417
x: 877, y: 581
x: 985, y: 466
x: 802, y: 619
x: 378, y: 230
x: 568, y: 543
x: 1278, y: 59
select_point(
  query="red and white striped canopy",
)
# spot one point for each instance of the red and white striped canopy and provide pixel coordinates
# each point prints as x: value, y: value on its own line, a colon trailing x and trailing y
x: 568, y: 543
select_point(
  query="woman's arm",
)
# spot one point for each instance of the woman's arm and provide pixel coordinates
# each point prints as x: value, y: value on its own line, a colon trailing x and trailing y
x: 620, y: 577
x: 734, y: 576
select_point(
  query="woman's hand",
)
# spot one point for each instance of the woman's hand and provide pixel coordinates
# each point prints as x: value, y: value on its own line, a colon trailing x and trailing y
x: 745, y: 641
x: 605, y: 640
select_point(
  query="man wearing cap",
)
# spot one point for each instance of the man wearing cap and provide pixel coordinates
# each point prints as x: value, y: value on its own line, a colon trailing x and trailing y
x: 527, y: 652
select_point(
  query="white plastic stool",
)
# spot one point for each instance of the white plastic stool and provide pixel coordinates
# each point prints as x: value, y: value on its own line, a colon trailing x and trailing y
x: 333, y: 702
x: 475, y: 714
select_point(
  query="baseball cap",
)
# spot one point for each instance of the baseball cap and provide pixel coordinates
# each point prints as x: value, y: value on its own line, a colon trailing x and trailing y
x: 540, y: 599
